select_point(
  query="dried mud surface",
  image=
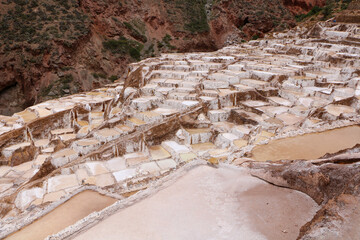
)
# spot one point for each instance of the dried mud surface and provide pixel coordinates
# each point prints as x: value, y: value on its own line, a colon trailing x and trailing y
x: 209, y: 203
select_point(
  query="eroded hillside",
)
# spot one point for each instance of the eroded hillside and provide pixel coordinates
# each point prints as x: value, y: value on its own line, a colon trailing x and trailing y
x: 50, y: 49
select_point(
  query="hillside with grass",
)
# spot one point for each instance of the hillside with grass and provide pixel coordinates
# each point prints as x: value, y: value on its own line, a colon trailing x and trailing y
x: 53, y: 48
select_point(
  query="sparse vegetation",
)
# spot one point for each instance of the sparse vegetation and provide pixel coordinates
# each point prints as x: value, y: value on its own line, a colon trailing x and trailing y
x: 196, y: 15
x: 255, y: 37
x: 326, y: 12
x: 150, y: 51
x: 58, y: 88
x: 191, y: 12
x: 124, y: 46
x: 66, y: 79
x: 345, y: 4
x: 135, y: 33
x: 313, y: 11
x: 113, y: 78
x: 45, y: 91
x: 99, y: 75
x: 166, y: 43
x: 38, y: 21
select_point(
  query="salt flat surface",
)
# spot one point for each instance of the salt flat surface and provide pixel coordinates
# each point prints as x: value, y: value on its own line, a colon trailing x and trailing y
x: 209, y: 203
x: 308, y: 146
x: 63, y: 216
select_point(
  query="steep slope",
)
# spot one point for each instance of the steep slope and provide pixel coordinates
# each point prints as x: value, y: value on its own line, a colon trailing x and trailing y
x: 302, y: 6
x: 50, y: 49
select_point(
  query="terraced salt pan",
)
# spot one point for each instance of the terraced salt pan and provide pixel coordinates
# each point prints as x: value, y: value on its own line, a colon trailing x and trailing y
x: 337, y: 110
x: 63, y: 216
x: 208, y: 203
x: 308, y: 146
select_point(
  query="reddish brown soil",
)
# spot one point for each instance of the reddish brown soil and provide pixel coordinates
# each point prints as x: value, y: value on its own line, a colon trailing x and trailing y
x: 29, y: 75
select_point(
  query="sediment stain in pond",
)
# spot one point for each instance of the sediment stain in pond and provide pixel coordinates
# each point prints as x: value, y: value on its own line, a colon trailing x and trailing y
x: 63, y: 216
x: 209, y: 203
x: 308, y: 146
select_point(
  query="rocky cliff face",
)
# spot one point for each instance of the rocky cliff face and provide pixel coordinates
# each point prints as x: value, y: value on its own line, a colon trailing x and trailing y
x: 334, y: 186
x: 302, y: 6
x: 50, y: 49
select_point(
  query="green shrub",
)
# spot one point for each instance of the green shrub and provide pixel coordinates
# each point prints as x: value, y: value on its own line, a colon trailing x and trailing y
x: 150, y: 50
x: 167, y: 39
x: 327, y: 12
x: 135, y: 53
x: 66, y: 79
x: 195, y: 16
x: 124, y: 46
x: 345, y: 4
x: 113, y: 78
x: 95, y: 75
x: 116, y: 46
x: 102, y: 75
x: 160, y: 45
x: 313, y: 11
x: 45, y: 91
x: 135, y: 33
x: 255, y: 37
x: 21, y: 24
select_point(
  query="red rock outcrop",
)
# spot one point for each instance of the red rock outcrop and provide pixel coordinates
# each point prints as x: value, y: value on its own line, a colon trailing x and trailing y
x: 302, y: 6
